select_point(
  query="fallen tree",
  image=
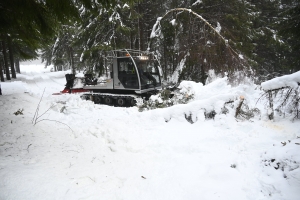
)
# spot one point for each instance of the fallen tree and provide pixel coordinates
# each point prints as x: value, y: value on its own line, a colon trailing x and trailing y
x: 283, y: 95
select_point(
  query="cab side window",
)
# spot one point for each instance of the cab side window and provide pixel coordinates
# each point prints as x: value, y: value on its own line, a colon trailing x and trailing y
x: 127, y: 73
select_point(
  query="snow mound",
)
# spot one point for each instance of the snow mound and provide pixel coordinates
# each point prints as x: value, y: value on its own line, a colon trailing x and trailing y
x: 205, y: 102
x: 190, y: 87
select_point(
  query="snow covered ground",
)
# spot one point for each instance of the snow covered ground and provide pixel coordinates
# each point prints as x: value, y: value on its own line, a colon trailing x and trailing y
x: 75, y: 149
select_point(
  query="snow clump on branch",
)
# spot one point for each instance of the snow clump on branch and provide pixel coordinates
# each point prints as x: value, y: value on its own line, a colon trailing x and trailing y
x: 156, y: 31
x: 291, y: 80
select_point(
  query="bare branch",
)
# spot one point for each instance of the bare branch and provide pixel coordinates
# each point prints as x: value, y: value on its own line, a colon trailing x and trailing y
x: 44, y: 113
x: 38, y: 107
x: 205, y: 21
x: 54, y: 121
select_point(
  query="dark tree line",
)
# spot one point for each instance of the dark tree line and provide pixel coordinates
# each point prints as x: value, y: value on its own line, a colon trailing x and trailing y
x: 30, y: 25
x: 74, y: 35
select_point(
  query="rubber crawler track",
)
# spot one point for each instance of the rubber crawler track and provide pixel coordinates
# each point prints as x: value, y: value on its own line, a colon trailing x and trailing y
x: 111, y: 100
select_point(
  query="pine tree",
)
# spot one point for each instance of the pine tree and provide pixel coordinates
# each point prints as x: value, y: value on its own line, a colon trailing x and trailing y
x: 37, y: 22
x: 186, y: 37
x: 289, y: 29
x: 99, y: 30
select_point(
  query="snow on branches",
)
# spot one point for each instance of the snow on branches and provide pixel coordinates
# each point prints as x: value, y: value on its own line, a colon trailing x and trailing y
x: 292, y: 81
x: 283, y: 93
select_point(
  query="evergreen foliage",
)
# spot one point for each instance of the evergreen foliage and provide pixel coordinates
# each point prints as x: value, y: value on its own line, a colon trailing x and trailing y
x: 166, y: 98
x: 75, y: 34
x: 289, y: 29
x: 32, y: 24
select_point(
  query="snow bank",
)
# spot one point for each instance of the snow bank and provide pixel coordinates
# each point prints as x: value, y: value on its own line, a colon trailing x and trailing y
x: 219, y: 86
x: 15, y: 87
x: 292, y: 80
x: 207, y: 101
x: 190, y: 87
x: 83, y: 150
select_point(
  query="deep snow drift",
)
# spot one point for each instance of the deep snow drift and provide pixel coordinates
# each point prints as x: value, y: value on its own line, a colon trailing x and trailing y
x: 75, y: 149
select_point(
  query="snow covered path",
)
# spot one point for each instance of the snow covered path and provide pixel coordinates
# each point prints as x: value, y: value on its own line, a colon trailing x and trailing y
x: 90, y: 151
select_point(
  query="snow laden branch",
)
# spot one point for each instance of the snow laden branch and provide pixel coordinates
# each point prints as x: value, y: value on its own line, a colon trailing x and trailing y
x: 292, y: 80
x: 189, y: 100
x: 283, y: 93
x: 156, y: 30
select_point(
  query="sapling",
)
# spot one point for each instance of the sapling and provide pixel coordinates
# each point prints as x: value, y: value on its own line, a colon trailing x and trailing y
x: 36, y: 118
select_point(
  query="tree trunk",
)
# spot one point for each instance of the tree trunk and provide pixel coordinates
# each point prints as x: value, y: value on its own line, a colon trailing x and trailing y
x: 72, y: 60
x: 11, y: 58
x: 271, y: 109
x: 131, y: 40
x: 17, y: 64
x: 296, y: 103
x: 166, y: 64
x: 141, y: 30
x: 1, y: 72
x: 238, y: 109
x: 203, y: 75
x: 5, y: 60
x: 105, y: 64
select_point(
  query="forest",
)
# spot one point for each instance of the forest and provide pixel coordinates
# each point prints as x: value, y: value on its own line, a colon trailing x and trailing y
x: 239, y: 38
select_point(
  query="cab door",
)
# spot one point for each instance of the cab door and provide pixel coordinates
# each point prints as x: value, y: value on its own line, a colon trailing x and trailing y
x: 126, y: 73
